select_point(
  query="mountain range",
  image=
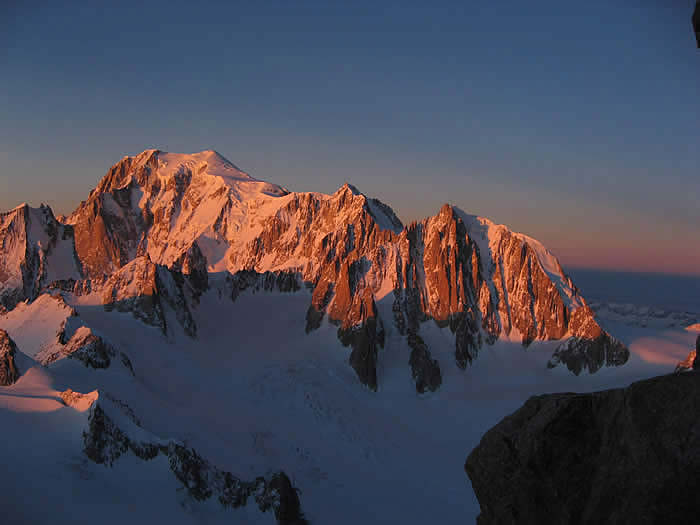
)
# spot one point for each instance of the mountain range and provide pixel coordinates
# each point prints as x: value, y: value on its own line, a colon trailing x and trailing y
x: 184, y: 293
x: 158, y: 224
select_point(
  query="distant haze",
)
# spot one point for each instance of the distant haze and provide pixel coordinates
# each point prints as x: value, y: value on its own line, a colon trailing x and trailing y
x: 578, y: 124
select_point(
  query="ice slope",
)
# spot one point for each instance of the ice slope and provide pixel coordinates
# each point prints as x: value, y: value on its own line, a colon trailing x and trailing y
x: 256, y: 393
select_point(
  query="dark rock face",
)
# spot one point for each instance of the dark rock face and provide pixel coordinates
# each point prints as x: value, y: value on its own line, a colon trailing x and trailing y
x: 88, y: 348
x: 105, y: 442
x: 425, y: 369
x: 77, y: 287
x: 580, y: 353
x: 590, y: 347
x: 628, y: 455
x: 135, y: 289
x: 144, y: 289
x: 91, y: 349
x: 696, y: 361
x: 268, y: 281
x: 364, y: 332
x: 8, y: 369
x: 193, y: 264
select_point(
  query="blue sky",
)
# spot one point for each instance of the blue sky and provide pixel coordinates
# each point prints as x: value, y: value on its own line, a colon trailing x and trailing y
x: 577, y: 124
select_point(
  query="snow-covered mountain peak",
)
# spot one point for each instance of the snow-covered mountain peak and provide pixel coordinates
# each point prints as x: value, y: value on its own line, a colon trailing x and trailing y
x: 36, y: 250
x: 349, y: 196
x: 206, y: 163
x: 208, y: 168
x: 492, y: 237
x: 348, y: 188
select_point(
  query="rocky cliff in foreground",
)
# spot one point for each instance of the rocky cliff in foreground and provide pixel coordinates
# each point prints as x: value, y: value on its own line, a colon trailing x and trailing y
x: 628, y: 455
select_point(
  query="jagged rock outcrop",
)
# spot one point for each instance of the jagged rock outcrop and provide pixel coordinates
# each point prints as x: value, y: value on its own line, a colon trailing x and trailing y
x: 78, y: 401
x: 113, y: 430
x: 268, y: 281
x: 687, y: 363
x: 90, y: 349
x: 8, y: 369
x: 76, y: 287
x: 193, y: 264
x: 425, y: 369
x: 590, y: 347
x: 628, y: 455
x: 580, y: 353
x: 35, y: 249
x: 146, y: 289
x: 362, y: 329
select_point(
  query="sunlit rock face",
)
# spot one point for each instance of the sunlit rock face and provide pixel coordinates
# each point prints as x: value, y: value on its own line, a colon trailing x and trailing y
x: 35, y: 250
x: 687, y: 363
x: 628, y: 455
x: 8, y: 369
x: 159, y: 224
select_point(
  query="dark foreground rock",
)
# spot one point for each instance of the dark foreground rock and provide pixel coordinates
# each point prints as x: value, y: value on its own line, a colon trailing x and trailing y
x: 628, y: 455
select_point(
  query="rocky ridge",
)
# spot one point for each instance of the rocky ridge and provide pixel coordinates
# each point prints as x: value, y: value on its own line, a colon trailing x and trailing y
x: 113, y: 431
x: 90, y: 349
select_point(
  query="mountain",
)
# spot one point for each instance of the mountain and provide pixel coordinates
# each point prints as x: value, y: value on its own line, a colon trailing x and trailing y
x: 191, y: 339
x: 36, y: 250
x: 192, y: 215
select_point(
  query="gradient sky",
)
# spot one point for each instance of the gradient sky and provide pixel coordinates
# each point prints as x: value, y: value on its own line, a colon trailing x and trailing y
x: 576, y: 123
